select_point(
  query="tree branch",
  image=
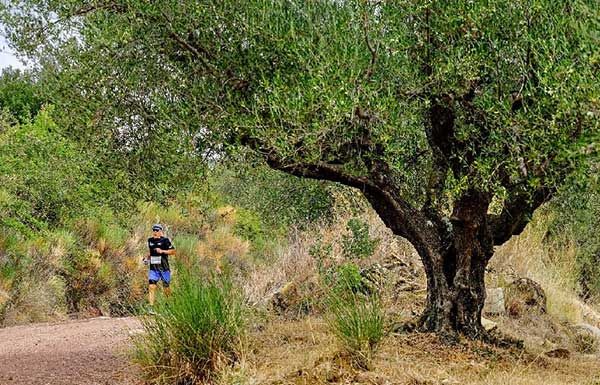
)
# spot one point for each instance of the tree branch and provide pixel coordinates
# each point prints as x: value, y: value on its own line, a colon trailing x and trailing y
x: 403, y: 219
x: 372, y: 50
x: 397, y: 214
x: 517, y: 213
x: 320, y: 171
x: 198, y: 53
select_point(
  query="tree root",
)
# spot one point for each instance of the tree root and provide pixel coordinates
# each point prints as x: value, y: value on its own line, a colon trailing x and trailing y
x: 500, y: 340
x: 453, y: 337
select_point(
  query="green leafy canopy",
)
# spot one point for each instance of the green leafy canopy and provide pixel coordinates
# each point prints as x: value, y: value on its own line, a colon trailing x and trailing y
x: 434, y: 97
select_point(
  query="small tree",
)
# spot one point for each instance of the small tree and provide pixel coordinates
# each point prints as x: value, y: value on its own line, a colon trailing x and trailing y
x: 457, y: 120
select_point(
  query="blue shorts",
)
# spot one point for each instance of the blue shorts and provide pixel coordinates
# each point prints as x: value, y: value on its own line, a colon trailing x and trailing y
x: 155, y: 275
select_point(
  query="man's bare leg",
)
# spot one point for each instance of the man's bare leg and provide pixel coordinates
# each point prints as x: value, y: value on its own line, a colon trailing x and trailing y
x: 151, y: 293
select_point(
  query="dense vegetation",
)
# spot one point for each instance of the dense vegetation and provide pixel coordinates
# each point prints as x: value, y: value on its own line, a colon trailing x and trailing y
x: 74, y: 218
x: 455, y: 122
x: 74, y: 226
x: 576, y: 220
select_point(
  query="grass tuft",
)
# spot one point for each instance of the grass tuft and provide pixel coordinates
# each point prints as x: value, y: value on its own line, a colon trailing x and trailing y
x: 194, y: 334
x: 358, y: 322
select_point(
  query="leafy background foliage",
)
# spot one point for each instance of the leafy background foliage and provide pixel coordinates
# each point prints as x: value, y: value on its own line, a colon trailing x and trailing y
x: 309, y: 79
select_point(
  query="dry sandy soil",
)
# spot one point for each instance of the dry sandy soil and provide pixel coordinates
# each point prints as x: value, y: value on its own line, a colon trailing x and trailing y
x: 83, y: 352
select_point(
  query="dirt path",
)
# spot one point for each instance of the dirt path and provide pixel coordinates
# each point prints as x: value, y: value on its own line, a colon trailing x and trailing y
x: 83, y: 352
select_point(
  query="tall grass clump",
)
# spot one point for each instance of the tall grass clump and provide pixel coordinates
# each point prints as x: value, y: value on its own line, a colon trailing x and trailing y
x: 194, y: 333
x: 358, y: 322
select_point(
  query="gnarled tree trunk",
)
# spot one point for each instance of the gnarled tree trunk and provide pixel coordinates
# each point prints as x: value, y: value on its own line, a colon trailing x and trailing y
x: 455, y: 295
x: 455, y: 274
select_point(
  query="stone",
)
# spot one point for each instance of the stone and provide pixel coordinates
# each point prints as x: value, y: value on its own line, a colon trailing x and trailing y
x: 590, y: 328
x: 524, y: 296
x: 294, y: 299
x: 285, y: 297
x: 590, y: 316
x: 494, y: 301
x: 586, y: 338
x: 488, y: 325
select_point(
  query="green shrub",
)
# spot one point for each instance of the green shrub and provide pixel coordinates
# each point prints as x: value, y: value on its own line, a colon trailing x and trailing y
x: 321, y: 252
x: 102, y: 231
x: 46, y: 173
x: 19, y: 94
x: 344, y: 278
x: 348, y: 279
x: 264, y: 240
x: 358, y: 323
x: 89, y: 280
x: 11, y: 245
x: 358, y: 244
x: 194, y: 333
x: 573, y: 221
x: 278, y: 198
x: 7, y: 271
x: 248, y: 226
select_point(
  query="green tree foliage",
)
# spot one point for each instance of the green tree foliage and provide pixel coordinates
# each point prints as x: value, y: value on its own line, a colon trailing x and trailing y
x: 19, y: 94
x: 456, y: 119
x: 280, y: 199
x: 43, y: 176
x: 576, y: 219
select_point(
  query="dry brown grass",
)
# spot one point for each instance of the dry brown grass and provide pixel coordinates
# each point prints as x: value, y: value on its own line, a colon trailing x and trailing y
x: 527, y: 255
x: 222, y: 243
x: 37, y: 301
x: 292, y: 264
x: 304, y: 352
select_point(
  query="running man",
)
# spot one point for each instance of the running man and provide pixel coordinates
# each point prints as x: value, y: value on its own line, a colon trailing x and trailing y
x: 160, y: 248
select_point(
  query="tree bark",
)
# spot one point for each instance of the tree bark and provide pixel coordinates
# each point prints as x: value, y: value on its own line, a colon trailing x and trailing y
x: 455, y: 276
x: 455, y: 295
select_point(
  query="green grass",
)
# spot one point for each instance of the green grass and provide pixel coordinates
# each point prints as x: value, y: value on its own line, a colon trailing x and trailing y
x: 194, y: 333
x: 187, y: 248
x: 358, y: 322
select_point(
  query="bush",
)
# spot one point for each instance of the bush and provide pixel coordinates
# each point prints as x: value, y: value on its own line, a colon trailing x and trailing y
x: 574, y: 217
x: 358, y: 323
x: 278, y: 199
x: 89, y: 280
x: 194, y: 333
x: 19, y: 94
x: 358, y: 244
x: 187, y: 249
x: 347, y: 278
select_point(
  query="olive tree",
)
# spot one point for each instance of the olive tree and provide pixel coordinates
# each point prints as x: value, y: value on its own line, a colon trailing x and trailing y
x: 456, y: 119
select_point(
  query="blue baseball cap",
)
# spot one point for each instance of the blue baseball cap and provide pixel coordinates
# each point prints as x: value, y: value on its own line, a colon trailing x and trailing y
x: 157, y: 227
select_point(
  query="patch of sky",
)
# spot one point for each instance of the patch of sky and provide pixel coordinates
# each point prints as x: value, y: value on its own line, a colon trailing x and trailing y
x: 8, y: 57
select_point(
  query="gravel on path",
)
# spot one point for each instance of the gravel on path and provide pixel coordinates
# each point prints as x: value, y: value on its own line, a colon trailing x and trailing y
x: 82, y: 352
